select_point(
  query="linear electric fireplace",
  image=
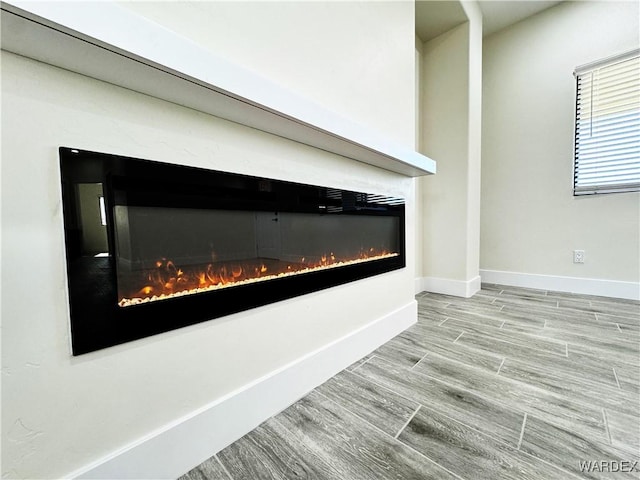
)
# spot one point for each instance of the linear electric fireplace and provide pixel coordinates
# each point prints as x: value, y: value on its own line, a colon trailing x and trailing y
x: 153, y: 247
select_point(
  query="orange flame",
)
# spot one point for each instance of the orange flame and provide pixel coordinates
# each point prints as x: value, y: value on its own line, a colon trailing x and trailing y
x: 167, y: 280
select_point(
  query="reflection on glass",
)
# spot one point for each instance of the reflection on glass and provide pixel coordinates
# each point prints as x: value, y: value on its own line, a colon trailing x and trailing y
x: 103, y: 211
x: 167, y: 252
x: 92, y: 218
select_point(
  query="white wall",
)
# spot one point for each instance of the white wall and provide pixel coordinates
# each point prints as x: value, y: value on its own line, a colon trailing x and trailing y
x: 60, y: 413
x: 419, y: 227
x: 472, y: 10
x: 531, y: 223
x: 450, y: 127
x: 445, y: 137
x: 291, y: 44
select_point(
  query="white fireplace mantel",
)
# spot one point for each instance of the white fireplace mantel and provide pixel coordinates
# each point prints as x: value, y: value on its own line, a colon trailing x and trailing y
x: 105, y: 41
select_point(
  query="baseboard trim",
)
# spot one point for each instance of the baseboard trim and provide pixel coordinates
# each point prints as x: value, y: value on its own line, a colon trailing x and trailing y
x: 174, y: 449
x: 458, y: 288
x: 587, y: 286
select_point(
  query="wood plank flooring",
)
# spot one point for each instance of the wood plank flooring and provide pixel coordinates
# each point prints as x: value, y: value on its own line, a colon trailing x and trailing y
x: 512, y: 383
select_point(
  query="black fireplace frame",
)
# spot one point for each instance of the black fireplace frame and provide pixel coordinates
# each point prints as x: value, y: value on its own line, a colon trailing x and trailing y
x: 98, y: 322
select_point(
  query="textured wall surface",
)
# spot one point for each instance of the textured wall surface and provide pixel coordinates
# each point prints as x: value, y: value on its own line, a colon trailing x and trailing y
x: 61, y: 413
x: 530, y: 221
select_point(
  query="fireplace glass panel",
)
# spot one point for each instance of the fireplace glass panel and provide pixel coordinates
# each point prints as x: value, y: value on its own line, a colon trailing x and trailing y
x: 166, y: 252
x: 152, y: 247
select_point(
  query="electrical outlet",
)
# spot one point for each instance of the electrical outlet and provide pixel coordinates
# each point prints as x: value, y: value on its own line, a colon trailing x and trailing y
x: 578, y: 256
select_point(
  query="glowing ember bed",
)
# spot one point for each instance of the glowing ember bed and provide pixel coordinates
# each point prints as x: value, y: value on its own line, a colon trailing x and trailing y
x: 153, y: 246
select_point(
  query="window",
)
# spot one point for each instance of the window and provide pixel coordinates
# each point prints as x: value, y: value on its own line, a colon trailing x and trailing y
x: 607, y: 135
x: 103, y: 211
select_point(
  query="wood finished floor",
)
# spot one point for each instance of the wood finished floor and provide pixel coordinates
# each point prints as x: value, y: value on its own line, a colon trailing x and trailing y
x: 510, y: 384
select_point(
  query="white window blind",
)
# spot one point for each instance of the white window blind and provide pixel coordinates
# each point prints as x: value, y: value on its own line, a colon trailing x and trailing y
x: 607, y: 135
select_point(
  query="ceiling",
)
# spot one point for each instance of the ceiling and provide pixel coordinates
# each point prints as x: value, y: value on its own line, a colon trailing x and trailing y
x: 434, y: 17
